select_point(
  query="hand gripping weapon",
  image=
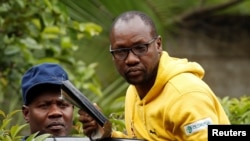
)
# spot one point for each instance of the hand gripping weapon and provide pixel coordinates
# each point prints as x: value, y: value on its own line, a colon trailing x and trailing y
x: 74, y: 96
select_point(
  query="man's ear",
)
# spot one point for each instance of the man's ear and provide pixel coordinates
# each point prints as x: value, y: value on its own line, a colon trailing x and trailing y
x: 25, y: 110
x: 159, y: 44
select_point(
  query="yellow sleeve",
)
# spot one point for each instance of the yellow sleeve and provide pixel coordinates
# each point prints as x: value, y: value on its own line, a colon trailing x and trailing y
x: 193, y: 112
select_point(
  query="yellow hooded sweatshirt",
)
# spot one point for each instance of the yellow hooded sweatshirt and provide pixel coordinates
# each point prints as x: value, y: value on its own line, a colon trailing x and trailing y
x: 178, y: 107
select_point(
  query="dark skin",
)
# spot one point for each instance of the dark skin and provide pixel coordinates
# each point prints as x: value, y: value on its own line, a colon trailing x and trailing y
x: 137, y: 70
x: 89, y: 124
x: 140, y: 71
x: 48, y: 113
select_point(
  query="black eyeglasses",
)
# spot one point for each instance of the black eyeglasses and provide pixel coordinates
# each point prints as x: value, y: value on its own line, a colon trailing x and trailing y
x: 138, y: 50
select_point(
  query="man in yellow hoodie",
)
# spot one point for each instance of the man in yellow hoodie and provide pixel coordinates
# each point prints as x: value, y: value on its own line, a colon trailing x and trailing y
x: 167, y: 98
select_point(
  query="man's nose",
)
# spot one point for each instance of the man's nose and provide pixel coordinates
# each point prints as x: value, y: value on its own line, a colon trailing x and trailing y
x: 54, y: 111
x: 131, y: 58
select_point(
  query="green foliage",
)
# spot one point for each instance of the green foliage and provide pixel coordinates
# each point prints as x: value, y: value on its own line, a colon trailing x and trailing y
x: 33, y: 32
x: 12, y: 133
x: 36, y: 137
x: 7, y: 132
x: 237, y: 109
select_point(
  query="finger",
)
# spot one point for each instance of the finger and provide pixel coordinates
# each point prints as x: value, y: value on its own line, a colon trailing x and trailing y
x: 85, y: 119
x: 88, y: 131
x: 90, y: 127
x: 82, y: 112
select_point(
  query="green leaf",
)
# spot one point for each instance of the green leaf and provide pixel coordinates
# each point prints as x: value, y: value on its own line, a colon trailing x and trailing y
x: 42, y: 137
x: 5, y: 123
x: 2, y: 113
x: 15, y: 130
x: 11, y: 50
x: 7, y: 138
x: 30, y: 43
x: 32, y: 137
x: 51, y: 30
x: 93, y: 29
x: 66, y: 42
x: 13, y: 113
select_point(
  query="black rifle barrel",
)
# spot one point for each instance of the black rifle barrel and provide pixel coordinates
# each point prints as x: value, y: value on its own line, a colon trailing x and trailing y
x: 74, y: 96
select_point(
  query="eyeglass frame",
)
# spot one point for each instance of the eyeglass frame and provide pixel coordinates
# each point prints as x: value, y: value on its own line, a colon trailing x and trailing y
x: 146, y: 45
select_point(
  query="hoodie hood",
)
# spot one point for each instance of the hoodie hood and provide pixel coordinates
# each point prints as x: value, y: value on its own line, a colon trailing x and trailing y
x: 168, y: 68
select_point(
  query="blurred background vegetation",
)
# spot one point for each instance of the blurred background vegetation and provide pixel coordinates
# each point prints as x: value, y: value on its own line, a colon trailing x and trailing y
x: 74, y: 33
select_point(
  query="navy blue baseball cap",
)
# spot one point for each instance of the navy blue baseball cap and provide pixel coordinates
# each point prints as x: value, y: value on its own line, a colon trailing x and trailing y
x: 46, y: 73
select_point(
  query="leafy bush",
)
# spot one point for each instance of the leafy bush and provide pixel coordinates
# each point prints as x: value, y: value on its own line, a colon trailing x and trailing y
x: 37, y: 31
x: 12, y: 133
x: 9, y: 133
x: 237, y: 109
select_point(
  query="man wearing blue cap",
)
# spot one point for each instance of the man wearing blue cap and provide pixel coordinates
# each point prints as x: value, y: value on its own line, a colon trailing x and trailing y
x: 43, y: 107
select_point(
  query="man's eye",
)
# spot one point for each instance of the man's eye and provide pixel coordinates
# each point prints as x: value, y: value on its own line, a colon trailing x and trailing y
x: 139, y: 48
x: 122, y: 51
x: 43, y: 105
x: 64, y: 105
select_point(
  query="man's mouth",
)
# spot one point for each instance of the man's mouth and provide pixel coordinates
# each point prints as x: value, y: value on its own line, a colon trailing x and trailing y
x: 55, y: 126
x: 134, y: 72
